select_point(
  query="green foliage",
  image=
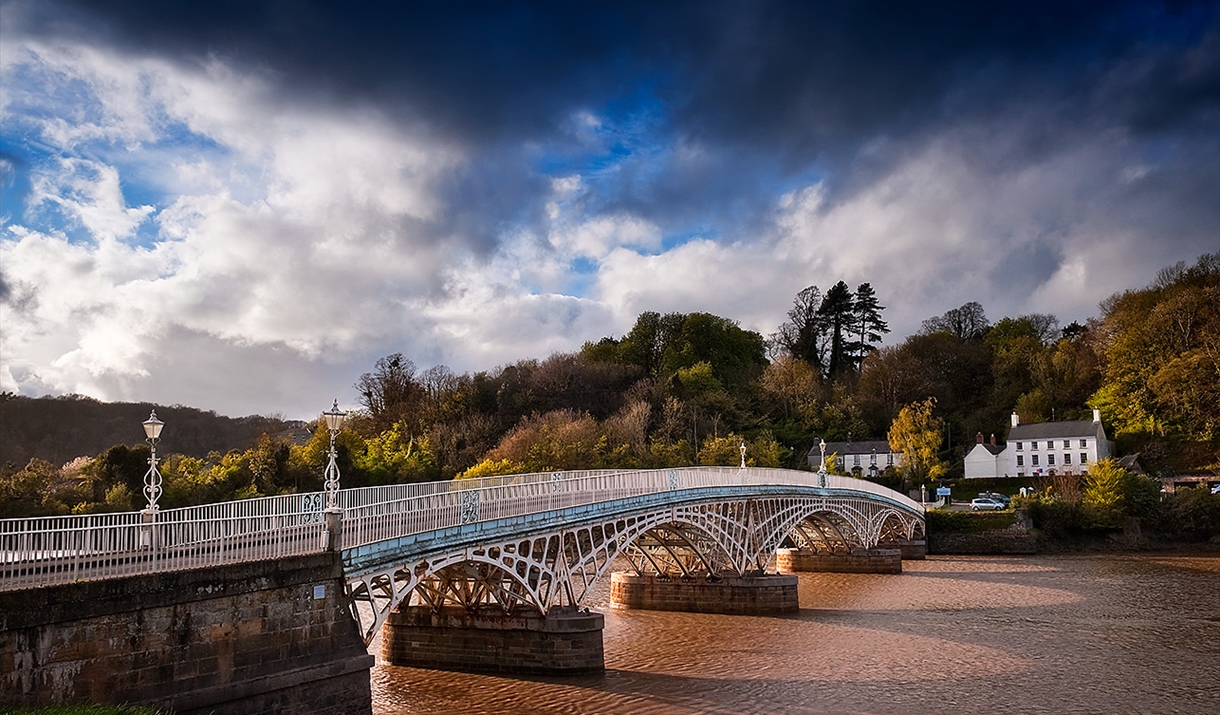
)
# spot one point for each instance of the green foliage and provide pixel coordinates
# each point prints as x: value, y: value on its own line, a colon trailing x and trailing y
x: 1055, y: 518
x: 1162, y: 355
x: 1193, y: 513
x: 391, y: 458
x: 1104, y: 500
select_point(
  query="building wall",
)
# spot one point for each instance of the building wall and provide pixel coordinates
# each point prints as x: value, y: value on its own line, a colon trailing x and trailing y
x: 982, y: 464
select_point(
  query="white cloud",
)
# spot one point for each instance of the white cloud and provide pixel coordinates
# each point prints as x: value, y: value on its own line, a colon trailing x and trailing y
x: 288, y: 246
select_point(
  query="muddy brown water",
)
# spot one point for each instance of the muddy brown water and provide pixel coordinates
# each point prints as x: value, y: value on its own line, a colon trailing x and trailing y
x: 1044, y: 634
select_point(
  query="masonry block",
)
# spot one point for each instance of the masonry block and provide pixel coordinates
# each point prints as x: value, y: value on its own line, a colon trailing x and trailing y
x: 877, y: 560
x: 488, y: 640
x: 213, y: 640
x: 743, y: 595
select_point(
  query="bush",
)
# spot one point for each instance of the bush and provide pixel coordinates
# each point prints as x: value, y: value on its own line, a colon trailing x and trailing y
x: 1193, y: 513
x: 1054, y: 518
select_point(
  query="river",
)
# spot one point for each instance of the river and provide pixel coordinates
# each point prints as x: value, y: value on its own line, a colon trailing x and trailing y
x: 1044, y: 634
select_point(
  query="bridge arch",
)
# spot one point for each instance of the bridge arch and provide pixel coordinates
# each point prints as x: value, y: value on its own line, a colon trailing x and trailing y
x: 560, y: 566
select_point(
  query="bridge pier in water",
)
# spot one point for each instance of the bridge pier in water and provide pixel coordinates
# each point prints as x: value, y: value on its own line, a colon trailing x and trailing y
x: 881, y: 559
x: 763, y: 594
x: 562, y: 642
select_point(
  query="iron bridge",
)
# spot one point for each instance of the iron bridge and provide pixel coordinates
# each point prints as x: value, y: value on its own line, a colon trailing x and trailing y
x: 532, y: 541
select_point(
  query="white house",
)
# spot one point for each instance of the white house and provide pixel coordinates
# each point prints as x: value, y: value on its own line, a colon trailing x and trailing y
x: 866, y: 458
x: 1062, y: 447
x: 985, y: 459
x: 1041, y: 448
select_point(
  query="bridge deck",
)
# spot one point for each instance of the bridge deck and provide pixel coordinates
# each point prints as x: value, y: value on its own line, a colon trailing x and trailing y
x: 49, y: 550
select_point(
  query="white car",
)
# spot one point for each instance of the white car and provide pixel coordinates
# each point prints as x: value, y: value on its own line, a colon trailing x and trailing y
x: 985, y: 504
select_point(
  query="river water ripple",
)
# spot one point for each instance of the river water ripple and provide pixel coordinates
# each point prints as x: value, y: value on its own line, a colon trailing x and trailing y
x: 1045, y: 634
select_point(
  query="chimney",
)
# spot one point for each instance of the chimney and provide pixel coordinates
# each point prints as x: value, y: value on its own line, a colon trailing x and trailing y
x: 1097, y: 416
x: 993, y: 439
x: 978, y: 438
x: 1017, y: 420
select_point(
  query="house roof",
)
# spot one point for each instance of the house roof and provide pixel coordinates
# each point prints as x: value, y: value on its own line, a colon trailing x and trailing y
x: 993, y: 448
x: 1052, y: 430
x: 842, y: 448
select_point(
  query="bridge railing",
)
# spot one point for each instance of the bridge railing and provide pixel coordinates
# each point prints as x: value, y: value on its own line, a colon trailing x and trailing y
x: 378, y: 514
x: 62, y: 549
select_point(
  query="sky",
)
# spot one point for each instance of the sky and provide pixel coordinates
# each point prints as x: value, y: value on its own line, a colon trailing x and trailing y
x: 240, y: 206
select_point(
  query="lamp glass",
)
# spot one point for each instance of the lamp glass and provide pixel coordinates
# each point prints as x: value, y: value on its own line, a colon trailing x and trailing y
x: 334, y: 418
x: 152, y: 426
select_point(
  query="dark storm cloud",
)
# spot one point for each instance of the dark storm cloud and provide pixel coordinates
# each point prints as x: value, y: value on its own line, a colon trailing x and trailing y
x: 769, y: 90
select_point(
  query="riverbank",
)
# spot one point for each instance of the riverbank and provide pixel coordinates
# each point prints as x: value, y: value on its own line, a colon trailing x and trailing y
x: 1013, y: 533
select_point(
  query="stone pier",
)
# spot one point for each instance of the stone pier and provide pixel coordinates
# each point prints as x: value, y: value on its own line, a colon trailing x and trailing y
x: 488, y: 641
x: 259, y: 637
x: 913, y: 550
x: 876, y: 560
x: 741, y: 595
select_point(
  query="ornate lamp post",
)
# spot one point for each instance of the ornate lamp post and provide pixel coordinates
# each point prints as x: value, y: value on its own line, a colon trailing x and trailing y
x: 822, y: 469
x: 152, y: 480
x: 743, y: 454
x: 334, y: 423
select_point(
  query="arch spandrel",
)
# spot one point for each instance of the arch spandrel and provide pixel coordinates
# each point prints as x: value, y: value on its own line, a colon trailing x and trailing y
x: 560, y: 567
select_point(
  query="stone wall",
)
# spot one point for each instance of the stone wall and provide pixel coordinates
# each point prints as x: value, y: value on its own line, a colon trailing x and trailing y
x: 487, y: 640
x: 1015, y: 539
x: 263, y: 637
x: 746, y: 595
x: 879, y: 560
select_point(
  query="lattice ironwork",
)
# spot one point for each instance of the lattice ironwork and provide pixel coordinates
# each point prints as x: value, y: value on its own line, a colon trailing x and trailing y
x: 559, y: 566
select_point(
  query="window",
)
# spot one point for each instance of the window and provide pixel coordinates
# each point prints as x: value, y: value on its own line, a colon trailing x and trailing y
x: 1067, y: 444
x: 1083, y: 444
x: 1050, y: 460
x: 1020, y: 460
x: 1084, y: 458
x: 857, y: 460
x: 873, y: 460
x: 1067, y: 459
x: 1033, y: 445
x: 1018, y: 446
x: 889, y: 459
x: 1035, y: 460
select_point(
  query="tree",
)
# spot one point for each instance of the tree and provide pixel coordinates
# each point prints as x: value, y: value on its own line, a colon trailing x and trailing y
x: 916, y: 433
x: 837, y: 311
x: 1161, y: 351
x: 802, y: 335
x: 390, y: 393
x: 1104, y: 491
x: 868, y: 325
x: 968, y: 322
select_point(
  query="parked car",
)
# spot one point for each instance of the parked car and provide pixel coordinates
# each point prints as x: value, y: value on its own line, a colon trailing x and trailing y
x: 985, y: 504
x: 996, y: 496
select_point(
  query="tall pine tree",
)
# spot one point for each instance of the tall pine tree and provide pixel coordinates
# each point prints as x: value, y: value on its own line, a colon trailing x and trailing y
x: 867, y: 323
x: 837, y: 313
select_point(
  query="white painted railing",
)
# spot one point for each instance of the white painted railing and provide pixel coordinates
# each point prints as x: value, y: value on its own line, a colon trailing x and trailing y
x: 62, y: 549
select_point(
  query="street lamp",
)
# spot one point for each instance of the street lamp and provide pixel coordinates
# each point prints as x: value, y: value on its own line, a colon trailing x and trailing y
x: 822, y: 481
x: 152, y: 480
x: 334, y: 423
x: 743, y: 454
